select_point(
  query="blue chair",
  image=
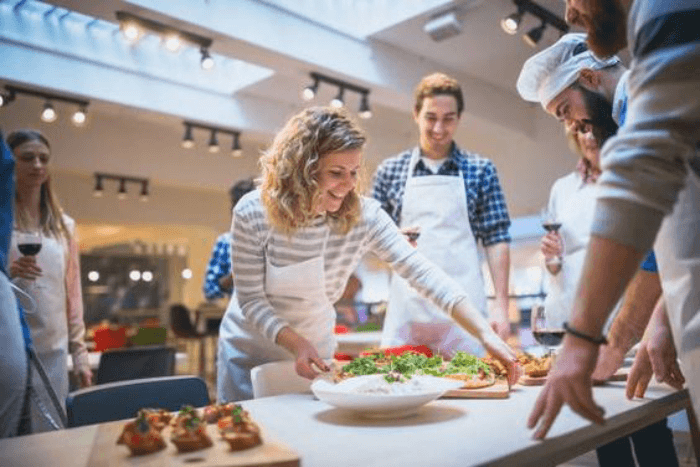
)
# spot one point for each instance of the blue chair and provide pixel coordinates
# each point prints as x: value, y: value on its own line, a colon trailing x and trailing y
x: 135, y: 362
x: 123, y: 399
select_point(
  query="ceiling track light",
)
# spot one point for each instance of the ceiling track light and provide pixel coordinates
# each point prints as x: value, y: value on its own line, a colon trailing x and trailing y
x: 213, y: 142
x: 207, y: 61
x: 134, y: 27
x: 6, y: 97
x: 236, y: 150
x: 310, y: 92
x: 122, y: 180
x: 48, y: 112
x: 511, y: 23
x: 534, y: 35
x: 188, y: 139
x: 213, y: 146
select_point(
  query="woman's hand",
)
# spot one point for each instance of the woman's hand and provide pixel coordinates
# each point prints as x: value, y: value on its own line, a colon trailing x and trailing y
x: 411, y: 233
x: 551, y: 245
x: 26, y: 268
x: 85, y: 377
x: 305, y: 353
x: 502, y: 352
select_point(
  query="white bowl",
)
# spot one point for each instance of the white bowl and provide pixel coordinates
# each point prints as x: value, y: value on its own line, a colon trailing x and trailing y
x: 404, y: 399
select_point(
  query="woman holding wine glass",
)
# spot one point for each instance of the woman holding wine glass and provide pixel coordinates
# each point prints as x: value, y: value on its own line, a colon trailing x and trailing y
x: 44, y: 262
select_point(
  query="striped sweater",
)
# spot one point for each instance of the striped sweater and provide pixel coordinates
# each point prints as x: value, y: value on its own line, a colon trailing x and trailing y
x: 252, y: 240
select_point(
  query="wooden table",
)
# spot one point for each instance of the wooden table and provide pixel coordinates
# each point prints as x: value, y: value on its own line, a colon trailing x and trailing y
x: 447, y: 432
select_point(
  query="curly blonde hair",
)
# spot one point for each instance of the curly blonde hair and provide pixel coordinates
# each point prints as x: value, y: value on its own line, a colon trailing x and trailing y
x: 289, y: 182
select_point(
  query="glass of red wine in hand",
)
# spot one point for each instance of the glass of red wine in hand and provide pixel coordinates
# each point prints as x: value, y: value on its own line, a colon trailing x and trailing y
x: 546, y: 333
x: 29, y: 244
x: 550, y: 223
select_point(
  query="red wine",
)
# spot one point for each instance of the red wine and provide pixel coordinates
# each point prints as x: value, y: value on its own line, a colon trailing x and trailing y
x: 551, y: 226
x: 29, y: 249
x: 549, y: 338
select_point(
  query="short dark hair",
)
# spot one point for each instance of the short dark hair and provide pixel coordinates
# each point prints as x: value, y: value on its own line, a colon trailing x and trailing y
x: 438, y: 84
x: 19, y: 137
x: 239, y: 189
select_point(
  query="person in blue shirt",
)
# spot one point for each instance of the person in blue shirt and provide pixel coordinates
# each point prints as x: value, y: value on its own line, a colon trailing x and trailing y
x: 14, y: 363
x: 218, y: 280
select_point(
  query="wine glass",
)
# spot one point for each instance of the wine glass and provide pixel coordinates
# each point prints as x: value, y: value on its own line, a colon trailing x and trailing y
x: 29, y: 244
x: 547, y: 334
x: 550, y: 223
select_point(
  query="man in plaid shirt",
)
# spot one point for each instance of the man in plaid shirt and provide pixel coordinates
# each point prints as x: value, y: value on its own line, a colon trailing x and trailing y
x: 454, y: 197
x: 218, y: 280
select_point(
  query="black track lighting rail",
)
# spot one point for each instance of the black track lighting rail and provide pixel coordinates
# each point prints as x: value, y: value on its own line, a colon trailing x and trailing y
x: 528, y: 6
x: 160, y: 28
x: 46, y: 95
x: 202, y: 126
x: 318, y: 77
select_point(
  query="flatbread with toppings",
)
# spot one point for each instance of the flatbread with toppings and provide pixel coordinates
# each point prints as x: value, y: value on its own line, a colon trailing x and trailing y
x: 475, y: 372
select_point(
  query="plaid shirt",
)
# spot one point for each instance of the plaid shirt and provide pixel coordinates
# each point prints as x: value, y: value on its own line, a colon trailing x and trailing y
x: 486, y: 205
x: 219, y: 266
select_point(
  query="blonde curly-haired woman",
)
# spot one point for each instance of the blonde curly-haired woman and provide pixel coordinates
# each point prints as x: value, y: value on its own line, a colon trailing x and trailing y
x: 295, y: 242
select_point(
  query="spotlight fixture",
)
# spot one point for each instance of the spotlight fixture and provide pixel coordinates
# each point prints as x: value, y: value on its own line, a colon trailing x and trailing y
x: 337, y: 101
x: 6, y: 97
x: 134, y: 27
x: 236, y: 150
x: 188, y: 140
x: 533, y: 36
x: 365, y: 111
x: 121, y: 194
x: 207, y: 61
x: 48, y: 112
x: 99, y: 189
x: 98, y: 192
x: 144, y: 191
x: 79, y: 116
x: 213, y: 142
x: 172, y: 42
x: 310, y: 92
x: 511, y: 23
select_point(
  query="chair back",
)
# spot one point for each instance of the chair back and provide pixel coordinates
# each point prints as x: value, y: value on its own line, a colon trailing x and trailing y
x: 123, y: 399
x: 181, y: 323
x: 275, y: 378
x: 135, y: 363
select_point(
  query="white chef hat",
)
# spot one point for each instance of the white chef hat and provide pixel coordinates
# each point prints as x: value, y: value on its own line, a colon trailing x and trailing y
x: 546, y: 74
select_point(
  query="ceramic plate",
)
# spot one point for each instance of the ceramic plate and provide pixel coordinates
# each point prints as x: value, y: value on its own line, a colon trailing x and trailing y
x: 372, y: 396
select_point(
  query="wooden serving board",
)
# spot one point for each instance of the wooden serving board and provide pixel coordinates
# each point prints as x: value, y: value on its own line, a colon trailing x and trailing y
x: 107, y: 453
x: 499, y: 390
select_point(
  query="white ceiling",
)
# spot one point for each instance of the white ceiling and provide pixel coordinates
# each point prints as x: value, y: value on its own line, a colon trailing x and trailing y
x: 265, y: 50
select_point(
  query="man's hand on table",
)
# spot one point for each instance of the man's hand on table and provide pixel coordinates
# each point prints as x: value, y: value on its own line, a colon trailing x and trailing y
x: 570, y: 383
x: 610, y: 359
x: 656, y: 356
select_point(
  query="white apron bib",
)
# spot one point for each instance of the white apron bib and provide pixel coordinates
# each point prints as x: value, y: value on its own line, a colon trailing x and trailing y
x: 438, y: 204
x: 242, y: 347
x: 48, y: 322
x: 678, y: 255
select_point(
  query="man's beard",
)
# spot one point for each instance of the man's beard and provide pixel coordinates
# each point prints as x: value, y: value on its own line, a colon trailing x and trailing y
x: 599, y: 111
x: 608, y: 32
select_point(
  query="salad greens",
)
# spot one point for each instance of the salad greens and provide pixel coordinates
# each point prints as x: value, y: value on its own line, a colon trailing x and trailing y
x: 411, y: 363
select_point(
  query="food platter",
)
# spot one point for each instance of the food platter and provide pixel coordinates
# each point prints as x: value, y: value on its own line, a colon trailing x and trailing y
x: 371, y: 396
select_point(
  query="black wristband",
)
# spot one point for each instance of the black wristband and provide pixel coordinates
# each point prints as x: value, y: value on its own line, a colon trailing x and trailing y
x: 576, y: 333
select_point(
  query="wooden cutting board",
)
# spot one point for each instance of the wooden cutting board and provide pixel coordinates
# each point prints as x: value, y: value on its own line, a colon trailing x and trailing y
x: 498, y: 391
x: 107, y: 453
